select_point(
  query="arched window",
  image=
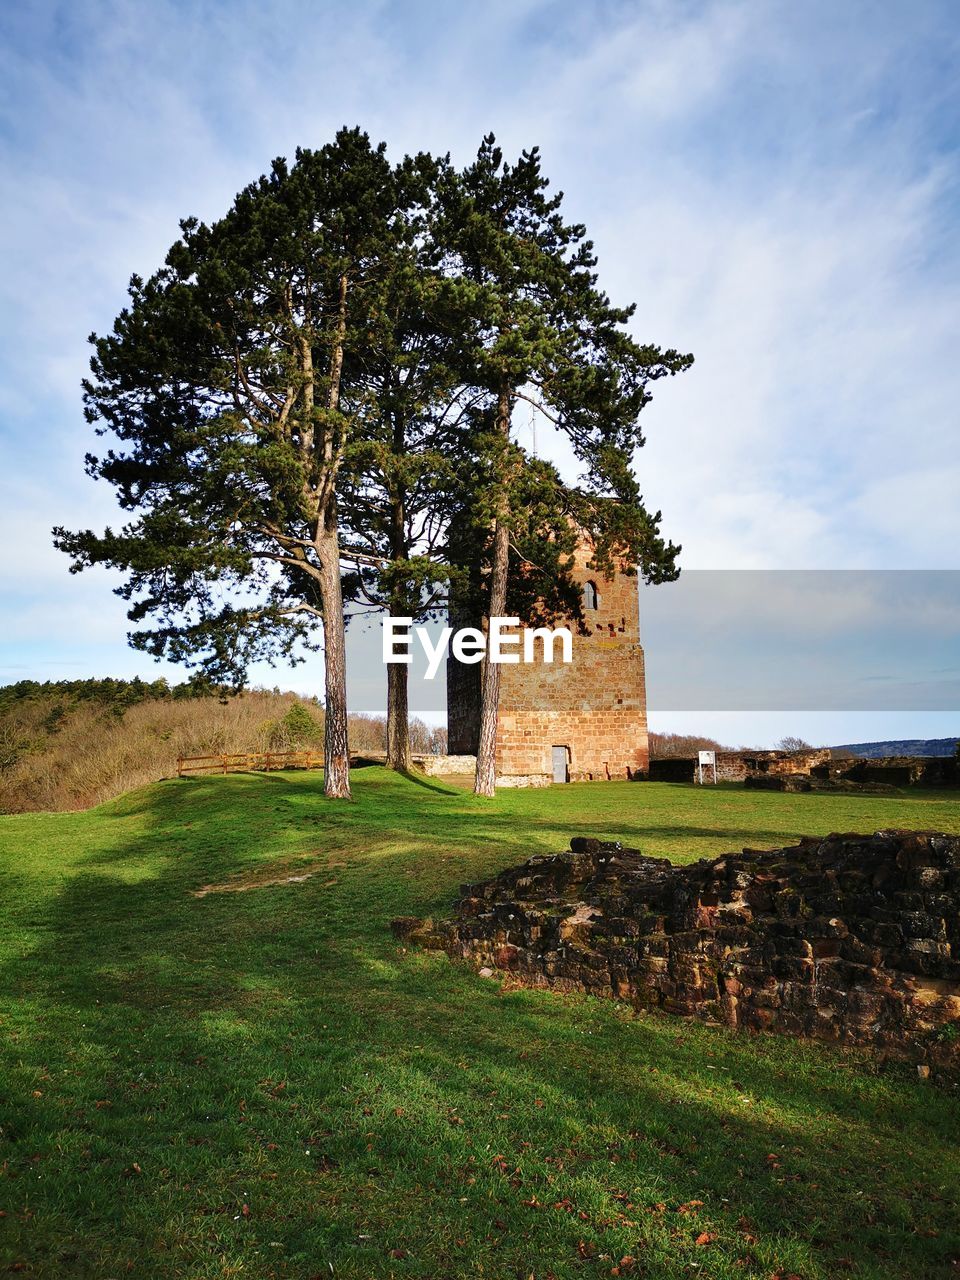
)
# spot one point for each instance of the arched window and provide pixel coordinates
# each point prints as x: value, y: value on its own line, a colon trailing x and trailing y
x: 591, y: 596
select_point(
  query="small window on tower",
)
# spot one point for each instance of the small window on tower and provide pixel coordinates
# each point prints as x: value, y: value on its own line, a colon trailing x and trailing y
x: 591, y: 596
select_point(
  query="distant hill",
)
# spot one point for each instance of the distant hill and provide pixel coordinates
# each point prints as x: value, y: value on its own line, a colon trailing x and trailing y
x: 900, y: 747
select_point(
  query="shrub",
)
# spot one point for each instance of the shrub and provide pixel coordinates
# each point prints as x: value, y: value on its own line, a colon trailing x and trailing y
x: 295, y: 730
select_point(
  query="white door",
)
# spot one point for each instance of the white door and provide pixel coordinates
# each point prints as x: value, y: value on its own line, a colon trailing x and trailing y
x: 560, y: 764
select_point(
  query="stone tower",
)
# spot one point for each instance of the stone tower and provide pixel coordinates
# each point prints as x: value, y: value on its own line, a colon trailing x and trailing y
x: 582, y: 721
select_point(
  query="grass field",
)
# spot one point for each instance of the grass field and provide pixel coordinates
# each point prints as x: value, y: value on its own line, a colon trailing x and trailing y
x: 263, y: 1084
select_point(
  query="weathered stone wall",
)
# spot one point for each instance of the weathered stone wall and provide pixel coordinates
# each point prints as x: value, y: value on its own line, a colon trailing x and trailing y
x: 594, y: 706
x: 782, y: 762
x: 444, y: 766
x: 905, y: 771
x: 741, y: 766
x: 736, y: 766
x: 853, y: 938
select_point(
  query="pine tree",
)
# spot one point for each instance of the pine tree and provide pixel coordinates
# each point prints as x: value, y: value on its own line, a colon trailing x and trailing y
x: 231, y: 383
x: 547, y: 335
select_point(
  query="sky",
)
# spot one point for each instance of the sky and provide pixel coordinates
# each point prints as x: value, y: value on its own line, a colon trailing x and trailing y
x: 774, y: 185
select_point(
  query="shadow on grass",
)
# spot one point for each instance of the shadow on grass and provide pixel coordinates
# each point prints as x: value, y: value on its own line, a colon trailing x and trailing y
x: 421, y: 780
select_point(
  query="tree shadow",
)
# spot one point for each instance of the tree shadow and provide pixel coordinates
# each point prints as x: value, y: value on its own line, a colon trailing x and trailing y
x: 421, y: 780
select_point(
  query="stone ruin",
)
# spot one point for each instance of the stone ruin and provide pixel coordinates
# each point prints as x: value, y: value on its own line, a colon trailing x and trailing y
x: 738, y: 766
x: 815, y: 769
x: 850, y: 938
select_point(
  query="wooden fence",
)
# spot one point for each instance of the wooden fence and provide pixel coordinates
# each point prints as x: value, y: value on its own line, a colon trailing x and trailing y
x: 249, y: 762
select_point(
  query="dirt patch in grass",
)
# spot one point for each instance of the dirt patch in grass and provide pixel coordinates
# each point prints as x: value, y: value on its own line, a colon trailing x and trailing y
x: 270, y: 876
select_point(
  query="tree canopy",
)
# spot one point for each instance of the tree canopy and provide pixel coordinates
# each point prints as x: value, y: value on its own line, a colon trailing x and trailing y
x: 311, y: 404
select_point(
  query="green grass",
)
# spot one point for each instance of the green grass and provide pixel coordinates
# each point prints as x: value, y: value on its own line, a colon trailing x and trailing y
x: 264, y: 1084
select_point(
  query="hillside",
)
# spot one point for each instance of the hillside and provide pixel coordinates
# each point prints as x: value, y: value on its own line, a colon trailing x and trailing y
x: 72, y: 744
x: 900, y: 747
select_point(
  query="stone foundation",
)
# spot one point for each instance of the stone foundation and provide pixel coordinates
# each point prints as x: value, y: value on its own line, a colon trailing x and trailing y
x: 443, y: 766
x: 808, y: 782
x: 846, y: 773
x: 851, y: 938
x: 900, y: 771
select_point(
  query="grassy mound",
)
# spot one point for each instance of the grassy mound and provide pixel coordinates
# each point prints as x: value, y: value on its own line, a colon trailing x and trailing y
x: 257, y: 1081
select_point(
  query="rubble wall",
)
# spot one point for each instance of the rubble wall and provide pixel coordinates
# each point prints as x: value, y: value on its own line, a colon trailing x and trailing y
x: 852, y: 938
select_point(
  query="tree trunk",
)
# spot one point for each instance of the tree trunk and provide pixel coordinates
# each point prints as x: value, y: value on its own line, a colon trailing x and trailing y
x: 398, y: 716
x: 398, y: 673
x: 336, y: 745
x: 485, y: 780
x: 336, y: 742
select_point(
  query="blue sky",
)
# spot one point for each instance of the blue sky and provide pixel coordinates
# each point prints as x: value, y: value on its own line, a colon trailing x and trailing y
x: 775, y: 185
